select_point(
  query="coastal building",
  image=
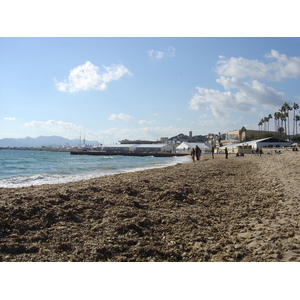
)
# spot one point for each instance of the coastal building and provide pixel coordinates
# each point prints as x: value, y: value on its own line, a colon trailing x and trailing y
x: 118, y: 148
x: 186, y: 138
x: 178, y: 139
x: 248, y: 135
x: 187, y: 147
x: 154, y: 148
x: 214, y: 139
x: 249, y: 146
x: 164, y: 140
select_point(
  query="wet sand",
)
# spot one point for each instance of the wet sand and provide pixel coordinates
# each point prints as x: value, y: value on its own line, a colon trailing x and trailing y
x: 237, y: 209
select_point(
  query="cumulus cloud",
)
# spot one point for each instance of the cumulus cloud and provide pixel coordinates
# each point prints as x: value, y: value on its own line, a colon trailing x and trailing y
x: 241, y: 90
x: 253, y: 92
x: 219, y: 103
x: 9, y: 119
x: 52, y: 125
x: 168, y: 53
x: 90, y: 77
x: 120, y: 117
x: 248, y: 96
x: 277, y: 67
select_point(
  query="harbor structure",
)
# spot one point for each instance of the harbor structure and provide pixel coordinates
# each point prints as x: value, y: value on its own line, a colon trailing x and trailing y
x: 162, y: 150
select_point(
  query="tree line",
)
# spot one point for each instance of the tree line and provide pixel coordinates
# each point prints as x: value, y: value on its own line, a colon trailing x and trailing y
x: 282, y: 120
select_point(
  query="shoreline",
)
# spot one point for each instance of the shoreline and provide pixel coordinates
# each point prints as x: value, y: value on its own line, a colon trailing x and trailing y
x: 53, y: 179
x: 239, y: 209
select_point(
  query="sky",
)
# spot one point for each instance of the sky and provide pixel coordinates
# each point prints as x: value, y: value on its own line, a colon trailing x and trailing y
x: 113, y: 88
x: 109, y: 73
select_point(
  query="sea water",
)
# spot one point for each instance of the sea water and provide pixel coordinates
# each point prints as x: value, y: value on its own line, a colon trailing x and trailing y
x: 19, y: 168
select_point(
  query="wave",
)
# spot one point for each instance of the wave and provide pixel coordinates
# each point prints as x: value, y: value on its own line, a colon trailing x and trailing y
x: 40, y: 179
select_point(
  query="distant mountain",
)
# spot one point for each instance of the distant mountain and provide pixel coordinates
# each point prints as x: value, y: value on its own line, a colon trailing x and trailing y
x: 47, y: 141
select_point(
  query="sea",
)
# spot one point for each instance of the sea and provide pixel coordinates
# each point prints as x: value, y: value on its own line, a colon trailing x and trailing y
x: 20, y: 168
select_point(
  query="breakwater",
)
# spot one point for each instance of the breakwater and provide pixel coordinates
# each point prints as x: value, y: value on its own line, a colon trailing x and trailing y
x: 154, y: 154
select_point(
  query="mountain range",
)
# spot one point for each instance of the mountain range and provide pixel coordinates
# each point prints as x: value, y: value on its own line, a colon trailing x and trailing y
x: 47, y: 141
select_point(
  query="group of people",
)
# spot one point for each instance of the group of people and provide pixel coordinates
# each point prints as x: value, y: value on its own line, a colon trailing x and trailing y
x: 196, y: 153
x: 258, y: 152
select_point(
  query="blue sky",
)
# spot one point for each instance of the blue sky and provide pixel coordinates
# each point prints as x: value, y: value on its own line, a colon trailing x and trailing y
x: 144, y: 70
x: 112, y: 88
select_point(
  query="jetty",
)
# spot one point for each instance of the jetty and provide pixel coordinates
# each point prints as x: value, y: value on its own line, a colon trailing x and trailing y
x: 155, y: 150
x: 110, y: 153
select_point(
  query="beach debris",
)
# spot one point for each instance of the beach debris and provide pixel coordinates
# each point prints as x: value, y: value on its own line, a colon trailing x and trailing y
x: 214, y: 211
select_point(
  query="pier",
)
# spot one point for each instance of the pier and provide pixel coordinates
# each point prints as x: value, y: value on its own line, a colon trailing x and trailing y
x: 154, y: 154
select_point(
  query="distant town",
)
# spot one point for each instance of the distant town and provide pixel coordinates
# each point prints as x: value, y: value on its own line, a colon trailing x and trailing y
x: 209, y: 141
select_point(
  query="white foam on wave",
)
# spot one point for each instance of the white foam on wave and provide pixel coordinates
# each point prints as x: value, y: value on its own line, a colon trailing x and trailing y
x: 41, y: 179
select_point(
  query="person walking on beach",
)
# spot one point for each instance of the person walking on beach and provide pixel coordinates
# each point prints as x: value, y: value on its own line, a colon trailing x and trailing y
x: 257, y: 151
x: 198, y: 152
x: 226, y: 153
x: 213, y: 152
x: 193, y: 154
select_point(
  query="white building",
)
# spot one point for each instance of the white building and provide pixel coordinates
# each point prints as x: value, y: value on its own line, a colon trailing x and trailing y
x: 154, y: 148
x: 271, y: 142
x: 187, y: 147
x: 138, y: 148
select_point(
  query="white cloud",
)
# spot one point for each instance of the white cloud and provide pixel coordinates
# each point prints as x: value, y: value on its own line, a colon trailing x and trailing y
x: 10, y: 119
x: 156, y: 54
x: 246, y: 99
x: 145, y: 122
x: 168, y: 53
x: 120, y: 116
x: 248, y: 96
x: 218, y: 102
x: 90, y: 77
x: 253, y: 93
x: 54, y: 126
x: 279, y: 67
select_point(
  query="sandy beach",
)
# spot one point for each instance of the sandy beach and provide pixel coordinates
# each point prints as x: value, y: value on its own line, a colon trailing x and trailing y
x: 224, y: 210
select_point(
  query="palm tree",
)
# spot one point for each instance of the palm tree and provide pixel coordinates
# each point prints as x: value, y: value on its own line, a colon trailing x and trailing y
x: 281, y: 130
x: 288, y: 108
x: 297, y: 118
x: 265, y: 122
x: 276, y: 119
x: 260, y: 124
x: 243, y: 129
x: 269, y: 117
x: 295, y: 107
x: 283, y: 115
x: 283, y: 118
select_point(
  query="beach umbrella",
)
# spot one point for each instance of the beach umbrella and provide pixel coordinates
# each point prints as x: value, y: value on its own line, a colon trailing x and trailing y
x: 294, y: 144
